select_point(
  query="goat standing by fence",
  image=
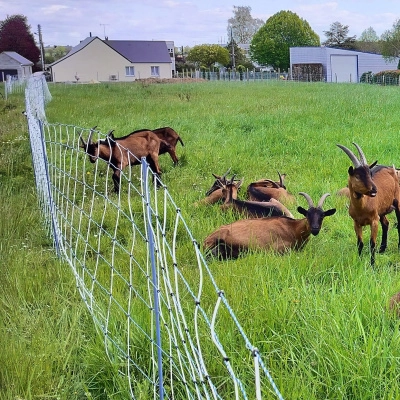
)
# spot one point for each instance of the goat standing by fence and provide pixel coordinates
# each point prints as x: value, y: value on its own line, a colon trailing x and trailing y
x: 124, y: 151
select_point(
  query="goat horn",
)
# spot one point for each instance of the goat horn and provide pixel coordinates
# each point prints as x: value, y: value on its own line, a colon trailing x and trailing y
x: 226, y: 173
x: 362, y: 156
x: 280, y: 178
x: 274, y: 184
x: 90, y: 134
x: 308, y: 198
x: 232, y: 179
x: 322, y: 199
x: 83, y: 142
x: 356, y: 162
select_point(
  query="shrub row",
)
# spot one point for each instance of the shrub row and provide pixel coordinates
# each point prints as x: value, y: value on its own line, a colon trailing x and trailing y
x: 381, y: 78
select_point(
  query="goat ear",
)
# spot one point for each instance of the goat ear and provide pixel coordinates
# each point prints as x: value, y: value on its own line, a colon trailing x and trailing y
x: 330, y: 212
x: 302, y: 211
x: 351, y: 171
x: 373, y: 164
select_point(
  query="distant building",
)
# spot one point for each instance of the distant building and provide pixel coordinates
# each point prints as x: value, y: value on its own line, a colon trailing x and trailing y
x: 337, y: 65
x: 99, y: 60
x: 12, y: 63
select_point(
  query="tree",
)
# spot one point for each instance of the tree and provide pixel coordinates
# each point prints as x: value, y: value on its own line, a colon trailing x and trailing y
x: 235, y: 52
x: 206, y: 55
x: 368, y: 41
x: 242, y: 26
x: 391, y: 42
x: 368, y: 35
x: 337, y: 37
x: 52, y: 54
x: 271, y: 44
x: 15, y: 36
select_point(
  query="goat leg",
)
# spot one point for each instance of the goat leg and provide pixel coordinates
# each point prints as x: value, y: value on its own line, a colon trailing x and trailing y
x: 116, y: 179
x: 372, y: 248
x: 397, y: 210
x: 385, y: 227
x: 372, y: 242
x: 360, y: 243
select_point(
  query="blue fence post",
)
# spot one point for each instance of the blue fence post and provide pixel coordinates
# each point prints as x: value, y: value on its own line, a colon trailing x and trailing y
x: 154, y: 278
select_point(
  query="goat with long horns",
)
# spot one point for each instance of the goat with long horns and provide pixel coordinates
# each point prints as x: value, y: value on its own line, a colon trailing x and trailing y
x: 374, y: 193
x: 272, y: 233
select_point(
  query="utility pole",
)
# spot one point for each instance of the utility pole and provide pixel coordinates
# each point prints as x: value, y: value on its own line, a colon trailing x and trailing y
x: 104, y: 27
x: 41, y: 47
x: 233, y: 50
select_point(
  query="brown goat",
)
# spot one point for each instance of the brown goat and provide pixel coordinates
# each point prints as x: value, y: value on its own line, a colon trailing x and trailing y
x: 346, y: 192
x: 124, y: 151
x: 214, y: 194
x: 169, y: 136
x: 273, y: 233
x: 280, y: 183
x: 267, y: 189
x: 374, y: 193
x: 255, y: 209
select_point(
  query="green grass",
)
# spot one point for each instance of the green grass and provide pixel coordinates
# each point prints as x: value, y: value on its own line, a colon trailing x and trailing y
x: 319, y: 317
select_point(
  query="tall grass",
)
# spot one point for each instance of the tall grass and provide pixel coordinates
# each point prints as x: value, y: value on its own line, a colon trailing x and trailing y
x: 319, y: 316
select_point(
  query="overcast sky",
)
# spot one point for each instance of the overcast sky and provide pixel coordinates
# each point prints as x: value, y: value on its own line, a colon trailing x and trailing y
x: 186, y: 22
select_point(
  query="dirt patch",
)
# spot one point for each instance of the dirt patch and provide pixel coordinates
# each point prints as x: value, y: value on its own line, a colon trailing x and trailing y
x: 149, y: 81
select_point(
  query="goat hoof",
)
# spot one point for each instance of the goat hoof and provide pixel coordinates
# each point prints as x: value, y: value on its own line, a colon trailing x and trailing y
x: 381, y: 250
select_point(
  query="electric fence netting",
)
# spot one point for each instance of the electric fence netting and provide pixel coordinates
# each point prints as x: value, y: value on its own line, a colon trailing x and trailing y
x: 163, y: 318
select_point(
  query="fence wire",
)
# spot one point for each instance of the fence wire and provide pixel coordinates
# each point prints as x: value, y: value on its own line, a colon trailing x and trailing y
x: 162, y: 316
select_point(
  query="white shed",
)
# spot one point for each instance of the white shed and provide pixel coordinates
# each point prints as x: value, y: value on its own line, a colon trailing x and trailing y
x: 340, y: 65
x: 12, y: 63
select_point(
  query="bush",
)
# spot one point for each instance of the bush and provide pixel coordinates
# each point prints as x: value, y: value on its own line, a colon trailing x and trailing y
x: 390, y: 77
x: 367, y: 77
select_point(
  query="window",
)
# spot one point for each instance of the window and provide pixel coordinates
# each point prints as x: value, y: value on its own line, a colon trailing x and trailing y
x: 130, y: 71
x: 155, y: 71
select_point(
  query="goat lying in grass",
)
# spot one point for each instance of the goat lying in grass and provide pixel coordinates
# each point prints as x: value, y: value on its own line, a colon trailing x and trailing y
x: 166, y: 135
x: 214, y: 194
x: 255, y: 209
x: 267, y: 189
x: 124, y: 151
x: 272, y: 233
x: 374, y: 192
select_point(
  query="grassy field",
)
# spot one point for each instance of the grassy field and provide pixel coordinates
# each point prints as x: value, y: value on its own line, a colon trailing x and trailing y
x: 319, y: 316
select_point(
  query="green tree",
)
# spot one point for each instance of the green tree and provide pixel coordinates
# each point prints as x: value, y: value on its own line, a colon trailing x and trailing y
x: 206, y: 55
x: 52, y: 54
x: 368, y: 41
x: 390, y: 40
x: 242, y: 26
x: 337, y: 36
x: 15, y: 35
x: 271, y: 44
x: 235, y: 52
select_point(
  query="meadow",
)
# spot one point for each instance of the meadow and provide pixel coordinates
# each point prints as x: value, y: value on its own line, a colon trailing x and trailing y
x: 319, y: 316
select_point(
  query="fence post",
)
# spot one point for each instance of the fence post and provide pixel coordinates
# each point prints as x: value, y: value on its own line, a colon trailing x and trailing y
x: 154, y: 278
x: 54, y: 224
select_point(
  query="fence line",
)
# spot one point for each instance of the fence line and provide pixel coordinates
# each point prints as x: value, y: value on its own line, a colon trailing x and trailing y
x: 163, y: 318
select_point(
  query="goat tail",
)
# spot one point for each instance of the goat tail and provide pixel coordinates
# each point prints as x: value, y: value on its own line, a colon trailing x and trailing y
x: 180, y: 140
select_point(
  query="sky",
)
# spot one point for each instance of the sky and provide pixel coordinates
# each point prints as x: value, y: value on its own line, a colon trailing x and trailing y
x: 186, y: 22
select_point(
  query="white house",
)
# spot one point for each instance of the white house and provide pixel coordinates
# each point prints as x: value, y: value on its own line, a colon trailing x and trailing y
x: 338, y: 65
x: 99, y: 60
x: 12, y: 63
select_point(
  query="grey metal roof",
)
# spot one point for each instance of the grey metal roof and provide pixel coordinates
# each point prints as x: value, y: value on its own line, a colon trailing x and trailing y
x: 141, y: 51
x: 18, y: 58
x: 75, y: 49
x: 136, y: 51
